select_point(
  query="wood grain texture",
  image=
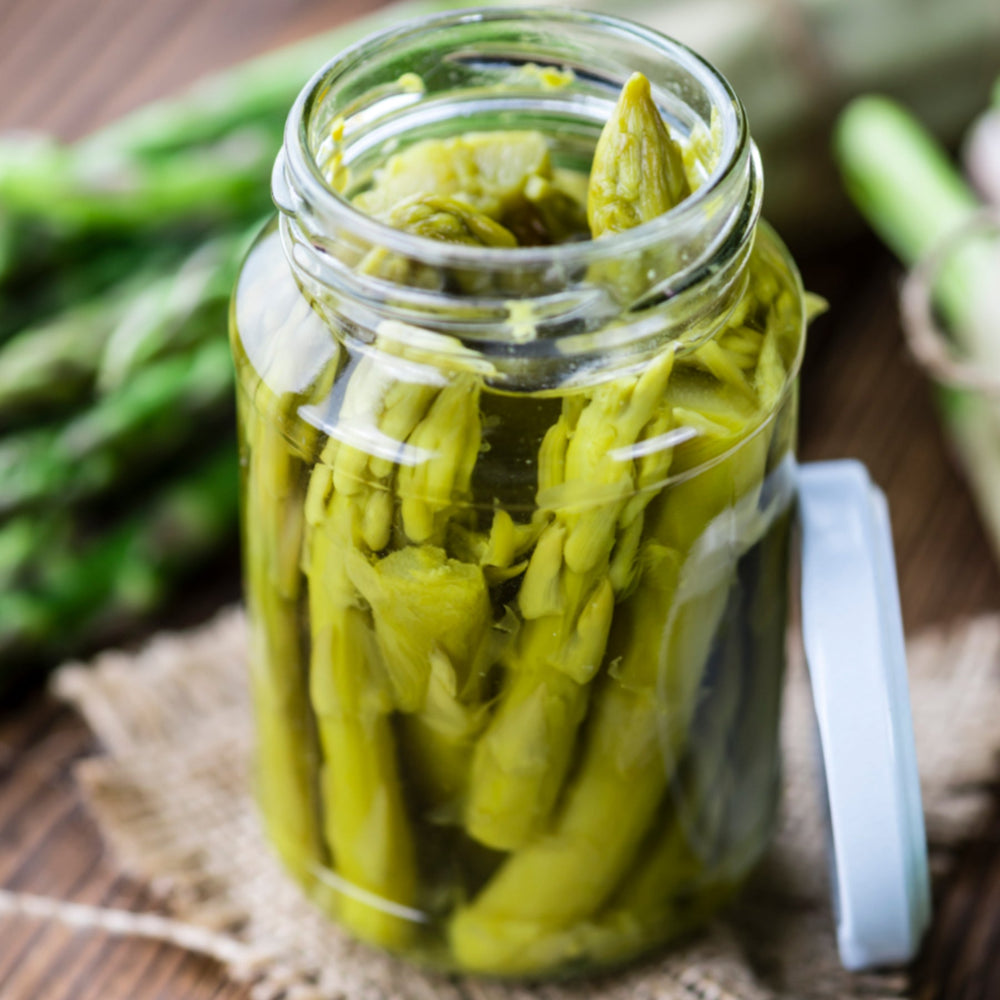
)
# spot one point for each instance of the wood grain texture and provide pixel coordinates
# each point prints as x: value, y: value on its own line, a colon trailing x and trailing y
x: 69, y: 65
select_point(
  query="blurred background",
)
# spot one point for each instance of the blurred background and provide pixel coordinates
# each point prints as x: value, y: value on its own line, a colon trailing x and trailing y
x: 122, y: 223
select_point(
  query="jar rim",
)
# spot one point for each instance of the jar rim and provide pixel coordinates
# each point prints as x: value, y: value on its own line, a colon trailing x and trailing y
x: 314, y: 189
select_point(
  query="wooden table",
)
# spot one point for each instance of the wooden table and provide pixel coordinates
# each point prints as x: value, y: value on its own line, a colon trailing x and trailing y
x: 68, y: 65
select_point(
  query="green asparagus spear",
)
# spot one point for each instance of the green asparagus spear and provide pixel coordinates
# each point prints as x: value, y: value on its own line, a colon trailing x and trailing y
x: 104, y: 342
x: 287, y: 755
x: 46, y: 275
x: 49, y: 366
x: 153, y: 416
x: 899, y: 176
x: 638, y: 171
x: 567, y: 596
x: 23, y: 543
x: 81, y: 593
x: 905, y: 185
x: 365, y: 821
x: 256, y: 93
x: 566, y: 599
x: 295, y: 361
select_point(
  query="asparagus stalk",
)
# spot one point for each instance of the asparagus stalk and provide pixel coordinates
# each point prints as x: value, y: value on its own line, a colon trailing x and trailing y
x: 162, y: 409
x: 50, y: 365
x: 43, y: 276
x: 567, y: 595
x: 287, y: 755
x: 81, y: 594
x: 365, y: 821
x: 638, y: 171
x: 23, y: 540
x: 906, y: 187
x: 107, y: 340
x: 77, y: 192
x: 294, y: 364
x: 639, y: 723
x: 899, y: 177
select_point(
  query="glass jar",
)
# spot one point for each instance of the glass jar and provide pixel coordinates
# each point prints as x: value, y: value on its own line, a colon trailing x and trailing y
x: 516, y: 520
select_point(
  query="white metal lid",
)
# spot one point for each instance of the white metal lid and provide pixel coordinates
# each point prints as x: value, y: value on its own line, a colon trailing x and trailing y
x: 853, y: 635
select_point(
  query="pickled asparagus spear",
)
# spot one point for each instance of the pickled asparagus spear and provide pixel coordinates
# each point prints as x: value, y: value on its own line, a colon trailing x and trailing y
x: 651, y: 898
x: 638, y: 170
x: 367, y: 658
x: 364, y: 817
x: 567, y: 602
x: 287, y: 756
x: 567, y: 595
x: 637, y: 730
x: 275, y: 448
x: 639, y: 722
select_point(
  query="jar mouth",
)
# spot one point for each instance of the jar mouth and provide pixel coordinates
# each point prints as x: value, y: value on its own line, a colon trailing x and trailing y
x: 300, y: 180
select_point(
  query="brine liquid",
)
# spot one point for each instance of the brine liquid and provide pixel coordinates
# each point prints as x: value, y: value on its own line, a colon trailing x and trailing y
x: 516, y: 660
x: 703, y: 774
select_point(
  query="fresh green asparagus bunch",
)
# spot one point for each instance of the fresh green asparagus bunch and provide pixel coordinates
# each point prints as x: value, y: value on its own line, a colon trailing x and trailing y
x: 68, y: 586
x: 118, y: 253
x: 491, y: 735
x: 108, y: 407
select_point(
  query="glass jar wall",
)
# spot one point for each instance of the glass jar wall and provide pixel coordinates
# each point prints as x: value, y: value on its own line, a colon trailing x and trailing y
x: 516, y: 514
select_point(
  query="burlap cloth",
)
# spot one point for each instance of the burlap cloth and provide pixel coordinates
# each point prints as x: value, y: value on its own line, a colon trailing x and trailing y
x: 171, y: 794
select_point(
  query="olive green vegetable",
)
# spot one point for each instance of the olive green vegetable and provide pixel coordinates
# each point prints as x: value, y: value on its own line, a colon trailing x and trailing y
x: 566, y: 600
x: 567, y: 595
x: 149, y: 418
x: 638, y: 170
x: 102, y: 343
x: 75, y: 590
